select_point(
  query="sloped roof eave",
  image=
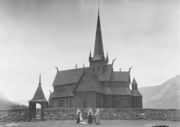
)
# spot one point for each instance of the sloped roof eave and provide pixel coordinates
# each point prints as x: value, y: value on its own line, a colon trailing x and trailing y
x: 136, y: 93
x: 39, y: 95
x: 73, y: 75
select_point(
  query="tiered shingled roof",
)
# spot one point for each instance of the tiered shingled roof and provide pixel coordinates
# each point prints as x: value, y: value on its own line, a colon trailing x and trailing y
x: 72, y: 76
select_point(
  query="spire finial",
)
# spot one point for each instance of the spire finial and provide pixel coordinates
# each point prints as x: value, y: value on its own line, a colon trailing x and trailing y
x: 98, y: 6
x: 130, y: 68
x: 40, y: 79
x: 57, y: 68
x: 113, y: 61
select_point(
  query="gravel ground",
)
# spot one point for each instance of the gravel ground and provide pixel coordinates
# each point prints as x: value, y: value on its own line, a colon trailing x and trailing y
x: 104, y: 123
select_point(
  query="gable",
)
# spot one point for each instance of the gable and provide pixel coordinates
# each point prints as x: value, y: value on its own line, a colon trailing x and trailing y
x: 88, y: 83
x: 85, y: 85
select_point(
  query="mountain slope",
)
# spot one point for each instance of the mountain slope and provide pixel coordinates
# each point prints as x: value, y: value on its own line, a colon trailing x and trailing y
x: 164, y: 96
x: 6, y: 104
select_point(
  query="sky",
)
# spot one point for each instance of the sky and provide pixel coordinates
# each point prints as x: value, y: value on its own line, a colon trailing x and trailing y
x: 37, y: 35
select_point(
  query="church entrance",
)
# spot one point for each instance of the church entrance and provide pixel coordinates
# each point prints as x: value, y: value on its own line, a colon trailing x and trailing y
x: 36, y: 110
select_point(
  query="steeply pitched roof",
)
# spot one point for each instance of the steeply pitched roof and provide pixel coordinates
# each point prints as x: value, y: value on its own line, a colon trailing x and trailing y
x: 88, y: 83
x: 67, y: 76
x: 135, y: 91
x: 39, y: 94
x: 98, y: 47
x: 72, y: 76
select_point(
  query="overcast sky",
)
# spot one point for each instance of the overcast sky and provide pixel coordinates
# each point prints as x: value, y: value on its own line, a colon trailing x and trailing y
x: 36, y: 35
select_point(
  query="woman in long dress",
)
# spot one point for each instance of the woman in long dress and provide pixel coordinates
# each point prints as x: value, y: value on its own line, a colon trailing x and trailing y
x: 78, y: 116
x: 97, y: 116
x: 90, y: 116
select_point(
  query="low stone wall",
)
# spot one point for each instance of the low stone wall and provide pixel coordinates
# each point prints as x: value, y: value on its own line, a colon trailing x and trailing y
x: 142, y: 114
x: 114, y: 114
x: 14, y: 115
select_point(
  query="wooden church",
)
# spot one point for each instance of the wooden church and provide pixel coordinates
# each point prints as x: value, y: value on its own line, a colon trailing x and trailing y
x: 95, y: 86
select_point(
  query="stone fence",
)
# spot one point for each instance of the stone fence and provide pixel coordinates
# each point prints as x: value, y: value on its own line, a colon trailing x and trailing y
x: 14, y: 115
x: 108, y: 113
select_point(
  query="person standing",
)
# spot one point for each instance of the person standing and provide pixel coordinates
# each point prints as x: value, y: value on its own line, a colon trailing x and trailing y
x: 90, y: 116
x: 97, y: 117
x: 78, y: 116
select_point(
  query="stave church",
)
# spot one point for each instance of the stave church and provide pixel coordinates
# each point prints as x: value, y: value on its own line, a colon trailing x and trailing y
x: 96, y: 86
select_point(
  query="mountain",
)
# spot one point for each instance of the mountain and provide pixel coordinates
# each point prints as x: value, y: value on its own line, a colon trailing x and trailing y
x: 164, y: 96
x: 6, y: 104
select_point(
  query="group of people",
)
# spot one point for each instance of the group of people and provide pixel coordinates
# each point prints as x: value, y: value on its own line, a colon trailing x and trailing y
x: 91, y: 117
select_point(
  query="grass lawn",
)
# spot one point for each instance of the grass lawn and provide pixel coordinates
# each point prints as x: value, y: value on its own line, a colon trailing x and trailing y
x: 104, y: 123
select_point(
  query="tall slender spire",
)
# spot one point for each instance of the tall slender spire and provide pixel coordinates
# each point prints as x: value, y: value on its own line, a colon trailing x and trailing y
x: 98, y: 47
